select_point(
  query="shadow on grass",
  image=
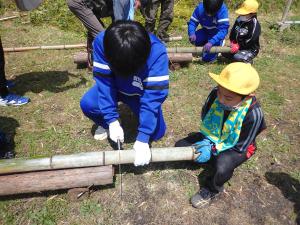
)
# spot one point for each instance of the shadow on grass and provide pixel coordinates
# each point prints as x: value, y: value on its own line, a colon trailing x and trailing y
x: 129, y: 124
x: 290, y: 188
x: 51, y: 193
x: 9, y: 126
x: 52, y: 81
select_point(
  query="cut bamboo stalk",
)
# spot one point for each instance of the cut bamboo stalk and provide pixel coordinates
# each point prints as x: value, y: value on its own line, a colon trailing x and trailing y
x: 89, y: 159
x: 175, y: 38
x: 50, y: 47
x: 215, y: 49
x: 82, y: 57
x: 8, y: 18
x: 198, y: 50
x: 55, y: 179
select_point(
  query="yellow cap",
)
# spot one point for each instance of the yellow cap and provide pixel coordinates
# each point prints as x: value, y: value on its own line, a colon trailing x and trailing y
x: 238, y: 77
x: 248, y: 6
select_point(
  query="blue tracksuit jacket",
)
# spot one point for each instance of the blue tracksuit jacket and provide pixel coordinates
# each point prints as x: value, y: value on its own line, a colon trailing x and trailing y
x: 145, y: 91
x: 216, y: 26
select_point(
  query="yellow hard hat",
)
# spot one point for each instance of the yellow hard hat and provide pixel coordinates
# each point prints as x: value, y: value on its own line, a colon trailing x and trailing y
x: 248, y: 6
x: 238, y: 77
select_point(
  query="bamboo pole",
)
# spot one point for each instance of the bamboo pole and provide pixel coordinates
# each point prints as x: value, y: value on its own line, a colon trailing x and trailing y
x: 89, y: 159
x: 55, y: 180
x: 8, y: 18
x: 82, y: 57
x: 49, y: 47
x: 199, y: 50
x: 175, y: 38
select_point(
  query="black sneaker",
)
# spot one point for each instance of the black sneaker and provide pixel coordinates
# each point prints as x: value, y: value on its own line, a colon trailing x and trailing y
x: 202, y: 198
x: 4, y: 152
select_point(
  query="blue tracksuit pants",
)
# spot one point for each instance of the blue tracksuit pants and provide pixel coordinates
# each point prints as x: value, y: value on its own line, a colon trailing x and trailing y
x: 202, y: 37
x: 90, y: 108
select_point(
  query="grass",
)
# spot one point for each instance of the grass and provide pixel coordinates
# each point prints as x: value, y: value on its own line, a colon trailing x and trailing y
x: 159, y: 194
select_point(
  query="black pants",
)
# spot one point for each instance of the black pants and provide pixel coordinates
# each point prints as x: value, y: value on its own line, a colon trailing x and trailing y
x: 245, y: 56
x: 223, y: 164
x: 3, y: 88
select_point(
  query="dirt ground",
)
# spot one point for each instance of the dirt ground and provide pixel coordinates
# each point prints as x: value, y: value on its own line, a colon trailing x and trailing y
x: 264, y: 190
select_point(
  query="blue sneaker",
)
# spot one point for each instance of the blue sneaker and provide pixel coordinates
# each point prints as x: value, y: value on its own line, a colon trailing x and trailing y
x: 10, y: 84
x: 13, y: 99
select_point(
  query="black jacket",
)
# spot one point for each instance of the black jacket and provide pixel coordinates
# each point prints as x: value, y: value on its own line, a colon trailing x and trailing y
x: 246, y: 34
x: 253, y: 123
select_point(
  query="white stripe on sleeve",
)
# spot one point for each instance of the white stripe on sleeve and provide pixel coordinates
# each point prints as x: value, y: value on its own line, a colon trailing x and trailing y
x: 193, y: 18
x: 155, y: 79
x: 101, y: 66
x: 223, y: 20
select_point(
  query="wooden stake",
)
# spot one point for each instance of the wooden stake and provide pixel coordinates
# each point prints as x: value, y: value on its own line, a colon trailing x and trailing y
x: 55, y: 179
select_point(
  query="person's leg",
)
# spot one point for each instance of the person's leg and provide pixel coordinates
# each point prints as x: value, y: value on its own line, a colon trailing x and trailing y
x: 90, y: 108
x: 150, y: 14
x: 224, y: 165
x: 201, y: 37
x: 166, y: 18
x: 134, y: 104
x: 244, y: 56
x: 208, y: 57
x: 86, y: 16
x: 3, y: 88
x: 121, y: 9
x: 90, y: 20
x: 7, y: 98
x: 160, y: 127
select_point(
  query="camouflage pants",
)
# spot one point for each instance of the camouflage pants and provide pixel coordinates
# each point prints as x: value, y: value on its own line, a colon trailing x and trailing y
x: 166, y: 16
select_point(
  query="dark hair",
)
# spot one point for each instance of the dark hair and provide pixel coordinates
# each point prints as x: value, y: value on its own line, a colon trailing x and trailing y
x: 126, y: 47
x: 211, y: 7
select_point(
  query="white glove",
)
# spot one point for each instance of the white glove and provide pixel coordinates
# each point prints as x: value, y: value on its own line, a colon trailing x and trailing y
x: 142, y: 153
x: 116, y: 131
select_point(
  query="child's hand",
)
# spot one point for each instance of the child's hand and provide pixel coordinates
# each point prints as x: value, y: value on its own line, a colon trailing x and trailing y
x: 234, y: 47
x: 207, y: 47
x: 204, y: 149
x: 193, y: 38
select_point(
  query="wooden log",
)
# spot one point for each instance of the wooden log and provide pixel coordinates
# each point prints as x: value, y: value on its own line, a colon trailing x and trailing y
x: 49, y: 47
x: 55, y: 180
x: 82, y: 57
x: 88, y: 159
x: 180, y: 57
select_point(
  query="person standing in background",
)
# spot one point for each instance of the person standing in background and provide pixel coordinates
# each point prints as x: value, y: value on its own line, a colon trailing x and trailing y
x: 165, y: 19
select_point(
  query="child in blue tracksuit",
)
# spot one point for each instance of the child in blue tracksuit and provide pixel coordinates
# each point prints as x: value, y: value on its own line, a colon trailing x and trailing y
x: 131, y: 66
x: 212, y: 15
